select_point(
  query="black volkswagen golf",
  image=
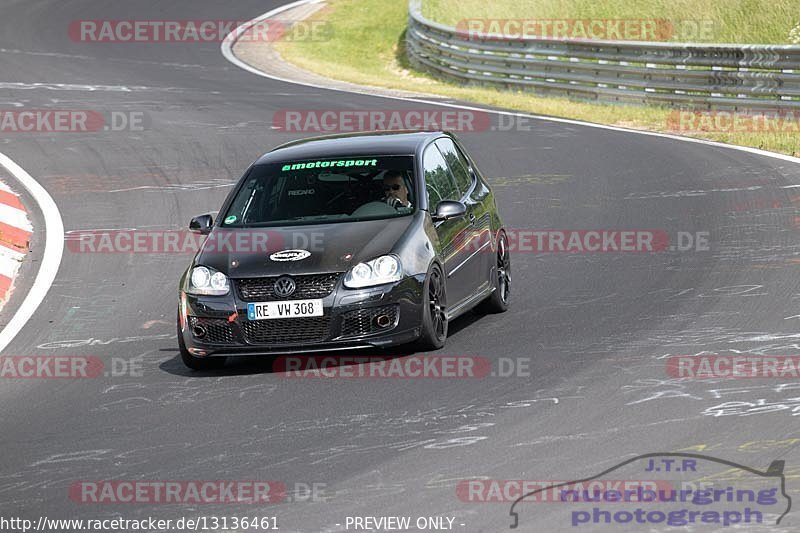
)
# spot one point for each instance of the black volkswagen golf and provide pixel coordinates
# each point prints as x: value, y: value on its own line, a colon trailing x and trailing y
x: 344, y: 242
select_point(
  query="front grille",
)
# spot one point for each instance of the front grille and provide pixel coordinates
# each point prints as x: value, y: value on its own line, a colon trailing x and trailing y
x: 308, y: 287
x: 280, y: 331
x: 218, y: 330
x: 362, y: 321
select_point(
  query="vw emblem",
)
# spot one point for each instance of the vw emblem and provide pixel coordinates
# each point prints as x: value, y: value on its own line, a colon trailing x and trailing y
x: 290, y: 255
x: 284, y: 286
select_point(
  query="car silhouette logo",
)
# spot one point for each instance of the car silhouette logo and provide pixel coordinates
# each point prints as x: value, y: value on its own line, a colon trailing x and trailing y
x: 290, y: 255
x: 284, y: 286
x: 661, y: 467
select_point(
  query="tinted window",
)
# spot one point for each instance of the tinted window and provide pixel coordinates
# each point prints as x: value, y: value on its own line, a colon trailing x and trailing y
x: 438, y: 179
x: 322, y: 191
x: 457, y: 163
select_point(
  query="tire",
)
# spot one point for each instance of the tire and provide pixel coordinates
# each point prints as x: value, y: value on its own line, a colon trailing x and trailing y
x: 197, y: 363
x: 434, y: 321
x: 497, y: 302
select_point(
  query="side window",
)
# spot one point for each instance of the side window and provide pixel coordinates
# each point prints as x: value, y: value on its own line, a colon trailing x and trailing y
x: 438, y: 179
x: 458, y: 165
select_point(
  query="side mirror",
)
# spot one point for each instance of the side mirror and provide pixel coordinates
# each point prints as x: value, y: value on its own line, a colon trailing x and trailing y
x: 201, y: 224
x: 447, y: 209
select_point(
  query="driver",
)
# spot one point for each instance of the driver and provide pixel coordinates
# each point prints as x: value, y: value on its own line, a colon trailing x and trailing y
x: 395, y: 192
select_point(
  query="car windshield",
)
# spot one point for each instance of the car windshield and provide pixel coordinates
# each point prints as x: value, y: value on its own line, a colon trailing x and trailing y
x: 322, y: 191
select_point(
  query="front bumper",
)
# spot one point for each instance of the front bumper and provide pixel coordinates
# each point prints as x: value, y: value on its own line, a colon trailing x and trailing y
x: 350, y: 322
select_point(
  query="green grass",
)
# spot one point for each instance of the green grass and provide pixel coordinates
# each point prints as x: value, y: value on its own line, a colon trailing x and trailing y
x: 367, y: 47
x: 730, y: 21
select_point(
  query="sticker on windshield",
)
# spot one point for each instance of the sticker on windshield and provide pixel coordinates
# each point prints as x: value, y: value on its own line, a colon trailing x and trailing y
x: 230, y: 220
x: 328, y: 164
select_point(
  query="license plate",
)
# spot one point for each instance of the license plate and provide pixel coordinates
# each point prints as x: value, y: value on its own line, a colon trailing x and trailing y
x: 287, y: 309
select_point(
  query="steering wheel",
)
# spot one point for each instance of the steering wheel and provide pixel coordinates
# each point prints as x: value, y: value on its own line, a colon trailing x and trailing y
x: 392, y: 201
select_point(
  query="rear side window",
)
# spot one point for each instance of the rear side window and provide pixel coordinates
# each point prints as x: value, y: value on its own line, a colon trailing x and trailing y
x: 457, y: 163
x: 438, y: 180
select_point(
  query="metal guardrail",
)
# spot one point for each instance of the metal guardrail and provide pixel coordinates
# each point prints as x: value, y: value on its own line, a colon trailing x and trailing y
x: 684, y: 75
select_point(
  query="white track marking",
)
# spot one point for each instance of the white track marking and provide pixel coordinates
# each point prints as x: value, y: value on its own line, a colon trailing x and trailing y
x: 51, y: 259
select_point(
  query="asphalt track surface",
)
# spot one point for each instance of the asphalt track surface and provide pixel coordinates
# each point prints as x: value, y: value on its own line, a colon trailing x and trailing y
x: 596, y: 327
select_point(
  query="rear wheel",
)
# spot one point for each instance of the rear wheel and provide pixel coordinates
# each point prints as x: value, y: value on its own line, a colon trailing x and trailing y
x: 196, y: 363
x: 434, y: 320
x: 498, y: 301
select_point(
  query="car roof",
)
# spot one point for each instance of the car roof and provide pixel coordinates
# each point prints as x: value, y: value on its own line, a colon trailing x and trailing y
x: 351, y: 144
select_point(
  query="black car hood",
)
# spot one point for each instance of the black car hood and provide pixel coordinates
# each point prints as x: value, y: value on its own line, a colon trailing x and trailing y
x: 245, y: 253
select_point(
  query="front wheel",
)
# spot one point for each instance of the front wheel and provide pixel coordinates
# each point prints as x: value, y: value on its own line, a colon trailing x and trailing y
x: 498, y: 301
x: 434, y: 320
x: 196, y: 363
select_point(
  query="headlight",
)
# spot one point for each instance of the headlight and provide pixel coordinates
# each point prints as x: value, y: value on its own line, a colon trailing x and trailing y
x: 384, y: 269
x: 208, y: 282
